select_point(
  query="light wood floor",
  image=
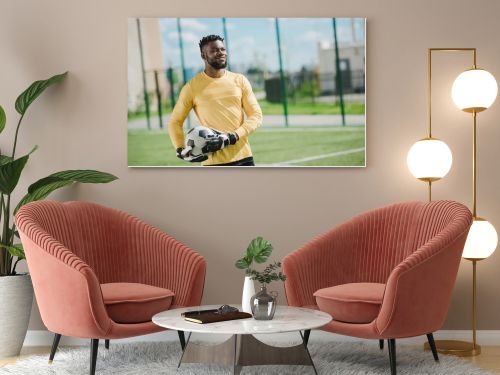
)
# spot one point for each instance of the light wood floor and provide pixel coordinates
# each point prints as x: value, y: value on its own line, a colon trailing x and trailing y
x: 488, y: 360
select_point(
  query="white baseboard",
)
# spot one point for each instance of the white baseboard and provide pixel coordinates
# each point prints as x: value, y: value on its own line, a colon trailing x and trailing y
x: 484, y: 337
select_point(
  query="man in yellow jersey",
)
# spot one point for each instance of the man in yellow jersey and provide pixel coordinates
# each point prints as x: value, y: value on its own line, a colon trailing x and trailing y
x: 220, y: 99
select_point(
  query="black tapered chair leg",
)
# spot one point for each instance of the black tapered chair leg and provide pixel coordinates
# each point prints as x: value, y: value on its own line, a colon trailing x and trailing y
x: 381, y: 344
x: 432, y: 344
x: 307, y: 333
x: 392, y: 355
x: 106, y: 344
x: 94, y: 345
x: 182, y: 339
x: 55, y: 344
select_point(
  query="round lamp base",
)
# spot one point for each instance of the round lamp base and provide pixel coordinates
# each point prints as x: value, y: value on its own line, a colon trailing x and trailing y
x: 457, y: 348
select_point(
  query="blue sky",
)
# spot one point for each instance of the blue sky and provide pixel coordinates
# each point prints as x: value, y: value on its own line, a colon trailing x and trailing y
x: 252, y: 41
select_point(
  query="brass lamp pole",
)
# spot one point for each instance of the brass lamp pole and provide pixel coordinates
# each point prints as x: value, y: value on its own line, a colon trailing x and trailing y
x: 429, y: 159
x: 429, y: 93
x: 429, y: 89
x: 474, y: 91
x: 482, y: 238
x: 476, y: 349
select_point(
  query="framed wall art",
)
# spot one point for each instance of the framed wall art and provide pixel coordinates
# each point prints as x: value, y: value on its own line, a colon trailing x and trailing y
x: 265, y: 92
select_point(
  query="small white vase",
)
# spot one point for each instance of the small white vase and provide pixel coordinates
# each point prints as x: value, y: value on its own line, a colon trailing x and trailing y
x: 248, y: 292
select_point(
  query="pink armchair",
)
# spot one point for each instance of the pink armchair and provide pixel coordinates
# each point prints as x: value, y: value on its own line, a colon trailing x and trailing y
x: 100, y: 273
x: 385, y: 274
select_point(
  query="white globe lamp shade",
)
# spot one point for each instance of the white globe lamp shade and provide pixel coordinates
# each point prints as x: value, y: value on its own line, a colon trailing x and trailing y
x: 474, y: 90
x: 429, y: 159
x: 481, y: 241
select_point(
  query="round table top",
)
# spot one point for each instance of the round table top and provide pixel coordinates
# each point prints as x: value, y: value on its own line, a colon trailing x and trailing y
x: 286, y: 319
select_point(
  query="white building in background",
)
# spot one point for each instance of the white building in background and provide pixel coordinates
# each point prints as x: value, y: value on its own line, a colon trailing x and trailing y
x: 352, y: 66
x: 153, y: 60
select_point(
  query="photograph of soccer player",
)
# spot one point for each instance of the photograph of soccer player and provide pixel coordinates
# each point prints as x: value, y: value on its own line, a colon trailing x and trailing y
x: 264, y: 92
x: 223, y: 101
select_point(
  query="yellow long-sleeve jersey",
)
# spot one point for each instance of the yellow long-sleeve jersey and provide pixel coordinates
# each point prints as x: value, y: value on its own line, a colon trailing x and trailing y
x: 221, y: 104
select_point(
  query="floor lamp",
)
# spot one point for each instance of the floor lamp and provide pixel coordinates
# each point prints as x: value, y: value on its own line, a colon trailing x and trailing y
x: 473, y: 91
x: 429, y: 159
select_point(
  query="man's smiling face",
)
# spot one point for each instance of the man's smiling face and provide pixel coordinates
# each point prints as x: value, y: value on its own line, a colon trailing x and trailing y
x: 214, y: 53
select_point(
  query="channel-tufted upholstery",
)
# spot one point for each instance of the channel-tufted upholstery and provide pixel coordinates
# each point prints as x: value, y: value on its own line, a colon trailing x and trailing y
x: 72, y: 248
x: 412, y: 248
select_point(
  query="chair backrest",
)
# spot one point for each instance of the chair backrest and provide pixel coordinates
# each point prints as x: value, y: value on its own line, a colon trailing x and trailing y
x: 96, y: 234
x: 74, y: 247
x: 386, y: 236
x: 368, y: 247
x: 378, y: 242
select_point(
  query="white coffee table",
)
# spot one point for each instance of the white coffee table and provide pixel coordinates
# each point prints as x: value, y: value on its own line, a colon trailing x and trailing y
x: 242, y: 348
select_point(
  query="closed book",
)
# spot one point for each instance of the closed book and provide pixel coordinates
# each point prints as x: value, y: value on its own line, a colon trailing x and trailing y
x: 196, y: 313
x: 210, y: 317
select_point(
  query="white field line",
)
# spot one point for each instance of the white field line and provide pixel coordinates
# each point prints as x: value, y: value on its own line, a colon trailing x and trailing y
x: 292, y: 130
x: 317, y: 157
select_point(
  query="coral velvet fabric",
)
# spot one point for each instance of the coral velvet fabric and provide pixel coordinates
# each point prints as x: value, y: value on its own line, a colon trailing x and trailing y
x: 133, y: 302
x: 74, y: 247
x: 353, y: 302
x: 414, y: 248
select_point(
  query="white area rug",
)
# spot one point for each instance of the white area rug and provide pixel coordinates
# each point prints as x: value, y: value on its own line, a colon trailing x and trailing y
x: 161, y: 358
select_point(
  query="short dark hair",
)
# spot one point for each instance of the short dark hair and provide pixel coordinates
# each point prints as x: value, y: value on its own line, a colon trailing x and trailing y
x: 209, y: 38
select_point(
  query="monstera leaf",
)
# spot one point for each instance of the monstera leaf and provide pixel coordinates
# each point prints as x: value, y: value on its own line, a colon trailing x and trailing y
x: 242, y: 263
x: 258, y: 250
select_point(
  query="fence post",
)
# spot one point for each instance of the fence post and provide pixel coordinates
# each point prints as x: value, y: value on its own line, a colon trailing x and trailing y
x: 183, y: 64
x: 282, y: 75
x: 158, y: 99
x: 340, y: 88
x: 170, y: 78
x: 144, y: 85
x: 226, y: 42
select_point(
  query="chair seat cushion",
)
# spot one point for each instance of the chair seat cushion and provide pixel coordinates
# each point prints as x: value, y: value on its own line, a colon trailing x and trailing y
x: 135, y: 303
x: 351, y: 303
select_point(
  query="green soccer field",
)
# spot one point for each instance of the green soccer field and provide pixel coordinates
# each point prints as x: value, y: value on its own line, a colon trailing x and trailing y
x: 294, y: 146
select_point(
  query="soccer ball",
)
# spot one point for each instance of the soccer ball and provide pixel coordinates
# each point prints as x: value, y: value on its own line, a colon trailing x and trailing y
x: 196, y: 139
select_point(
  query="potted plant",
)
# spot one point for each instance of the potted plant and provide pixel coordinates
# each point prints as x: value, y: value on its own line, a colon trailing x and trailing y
x: 16, y: 291
x: 259, y: 250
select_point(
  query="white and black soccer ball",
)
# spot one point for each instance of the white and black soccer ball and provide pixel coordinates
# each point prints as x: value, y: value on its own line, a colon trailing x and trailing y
x: 196, y: 139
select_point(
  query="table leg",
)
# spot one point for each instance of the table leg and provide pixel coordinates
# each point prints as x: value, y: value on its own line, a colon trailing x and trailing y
x: 182, y: 339
x: 184, y: 350
x: 246, y: 350
x: 305, y: 340
x: 236, y: 367
x: 254, y: 352
x: 223, y: 353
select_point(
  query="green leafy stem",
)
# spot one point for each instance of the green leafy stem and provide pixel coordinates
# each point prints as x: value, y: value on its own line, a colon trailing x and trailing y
x: 269, y: 274
x: 11, y: 170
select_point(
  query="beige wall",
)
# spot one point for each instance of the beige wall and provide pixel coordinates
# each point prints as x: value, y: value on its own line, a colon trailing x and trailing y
x: 82, y: 124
